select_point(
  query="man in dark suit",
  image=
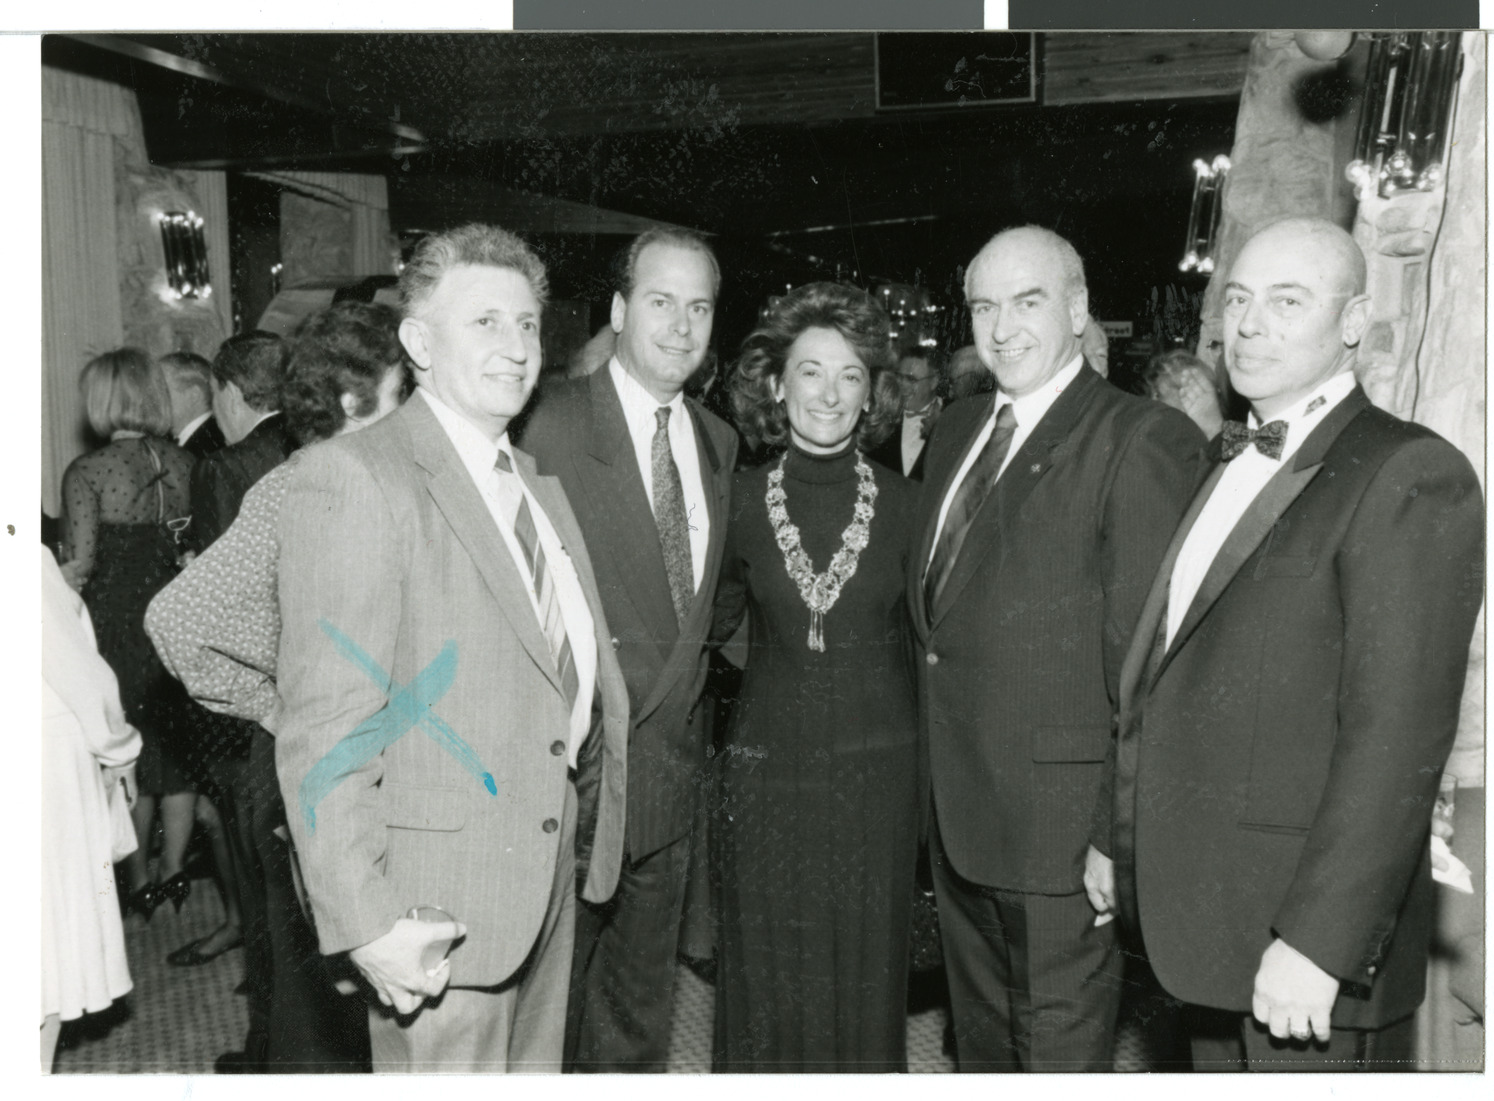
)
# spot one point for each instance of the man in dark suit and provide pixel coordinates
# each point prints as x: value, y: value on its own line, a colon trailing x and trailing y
x: 1047, y: 507
x: 648, y: 471
x: 247, y: 375
x: 919, y: 377
x: 189, y: 381
x: 1292, y: 691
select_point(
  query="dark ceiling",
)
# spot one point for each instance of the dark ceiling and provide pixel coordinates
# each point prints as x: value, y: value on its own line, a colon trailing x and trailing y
x: 773, y: 142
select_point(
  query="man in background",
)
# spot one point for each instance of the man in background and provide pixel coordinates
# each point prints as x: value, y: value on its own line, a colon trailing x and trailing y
x: 189, y: 381
x: 247, y: 375
x: 919, y: 377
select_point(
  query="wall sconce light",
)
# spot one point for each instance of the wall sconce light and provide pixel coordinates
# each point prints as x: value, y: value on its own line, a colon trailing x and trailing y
x: 1203, y: 218
x: 1410, y: 87
x: 186, y: 254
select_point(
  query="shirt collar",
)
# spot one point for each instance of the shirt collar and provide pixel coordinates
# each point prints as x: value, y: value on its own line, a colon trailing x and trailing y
x: 477, y: 452
x: 192, y: 426
x: 1030, y: 408
x: 639, y: 406
x: 1305, y: 415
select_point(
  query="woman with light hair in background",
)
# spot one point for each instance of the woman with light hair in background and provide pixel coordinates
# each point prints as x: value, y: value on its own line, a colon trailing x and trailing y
x: 123, y: 506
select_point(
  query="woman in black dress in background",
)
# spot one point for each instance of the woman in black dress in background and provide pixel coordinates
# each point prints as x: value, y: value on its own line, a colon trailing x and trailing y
x: 818, y: 820
x: 122, y: 506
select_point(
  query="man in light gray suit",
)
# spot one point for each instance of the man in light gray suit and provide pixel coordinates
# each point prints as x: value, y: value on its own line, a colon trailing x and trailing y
x: 448, y: 680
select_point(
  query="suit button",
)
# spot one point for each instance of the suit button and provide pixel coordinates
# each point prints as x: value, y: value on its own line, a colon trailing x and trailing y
x: 932, y: 659
x: 616, y: 645
x: 1371, y: 970
x: 550, y: 825
x: 557, y: 749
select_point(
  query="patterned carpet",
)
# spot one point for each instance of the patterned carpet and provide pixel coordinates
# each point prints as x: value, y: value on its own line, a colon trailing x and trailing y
x: 178, y: 1020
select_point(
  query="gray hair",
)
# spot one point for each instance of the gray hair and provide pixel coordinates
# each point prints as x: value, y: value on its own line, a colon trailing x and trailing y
x: 474, y: 243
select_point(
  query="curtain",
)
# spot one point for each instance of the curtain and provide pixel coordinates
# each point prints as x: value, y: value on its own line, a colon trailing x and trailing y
x: 81, y: 118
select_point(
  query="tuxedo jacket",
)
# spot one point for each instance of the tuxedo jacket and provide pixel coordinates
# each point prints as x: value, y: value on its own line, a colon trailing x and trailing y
x: 1277, y: 764
x: 401, y: 604
x: 221, y: 478
x: 1019, y: 662
x: 206, y: 438
x: 577, y: 433
x: 890, y: 454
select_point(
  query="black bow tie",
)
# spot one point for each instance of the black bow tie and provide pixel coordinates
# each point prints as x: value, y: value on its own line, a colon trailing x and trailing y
x: 1269, y: 439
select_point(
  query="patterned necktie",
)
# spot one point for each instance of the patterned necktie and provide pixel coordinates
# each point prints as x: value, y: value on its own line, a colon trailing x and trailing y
x: 669, y: 515
x: 1268, y: 439
x: 551, y: 621
x: 967, y: 501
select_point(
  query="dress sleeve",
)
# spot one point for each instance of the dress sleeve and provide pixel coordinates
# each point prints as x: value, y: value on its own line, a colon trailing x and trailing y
x: 731, y: 590
x: 217, y: 625
x: 80, y: 522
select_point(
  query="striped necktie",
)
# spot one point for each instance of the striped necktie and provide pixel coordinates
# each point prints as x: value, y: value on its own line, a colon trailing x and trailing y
x: 551, y: 621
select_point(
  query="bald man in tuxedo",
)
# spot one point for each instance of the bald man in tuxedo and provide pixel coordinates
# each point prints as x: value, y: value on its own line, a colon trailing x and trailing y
x: 1292, y: 690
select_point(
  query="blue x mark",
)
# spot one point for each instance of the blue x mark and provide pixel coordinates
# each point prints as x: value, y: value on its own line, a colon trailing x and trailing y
x: 409, y: 706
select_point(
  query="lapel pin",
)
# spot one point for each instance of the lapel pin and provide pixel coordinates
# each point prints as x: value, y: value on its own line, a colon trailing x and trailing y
x: 1037, y: 467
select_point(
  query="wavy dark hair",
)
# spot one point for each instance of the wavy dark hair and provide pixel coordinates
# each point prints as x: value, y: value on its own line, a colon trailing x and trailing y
x: 847, y: 310
x: 347, y: 348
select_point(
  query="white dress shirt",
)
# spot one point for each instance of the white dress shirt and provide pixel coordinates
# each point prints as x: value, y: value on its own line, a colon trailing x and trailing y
x: 1242, y: 481
x: 639, y: 407
x: 192, y: 426
x: 1029, y: 409
x: 478, y: 454
x: 913, y: 438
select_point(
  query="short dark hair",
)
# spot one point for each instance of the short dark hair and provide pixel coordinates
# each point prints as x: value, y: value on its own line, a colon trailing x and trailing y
x: 189, y: 371
x: 625, y: 267
x: 124, y: 389
x: 347, y: 348
x: 849, y: 311
x: 474, y: 243
x: 255, y: 363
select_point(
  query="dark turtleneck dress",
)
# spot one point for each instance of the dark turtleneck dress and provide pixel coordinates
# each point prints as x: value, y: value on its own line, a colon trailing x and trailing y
x: 817, y: 820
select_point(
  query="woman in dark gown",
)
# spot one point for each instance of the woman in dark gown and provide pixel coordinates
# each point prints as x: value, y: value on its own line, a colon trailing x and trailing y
x: 122, y: 508
x: 817, y: 821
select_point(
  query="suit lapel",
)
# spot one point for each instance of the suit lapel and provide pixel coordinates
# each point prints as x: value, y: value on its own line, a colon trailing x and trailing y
x: 1284, y: 487
x: 931, y: 499
x: 1025, y: 469
x: 467, y: 513
x: 1143, y: 640
x: 608, y: 469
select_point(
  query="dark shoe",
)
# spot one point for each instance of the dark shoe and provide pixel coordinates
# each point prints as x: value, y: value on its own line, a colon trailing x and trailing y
x: 237, y: 1062
x: 145, y: 900
x: 177, y: 888
x: 192, y: 955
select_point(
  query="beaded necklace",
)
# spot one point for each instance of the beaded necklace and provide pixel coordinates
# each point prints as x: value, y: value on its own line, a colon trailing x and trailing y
x: 820, y: 591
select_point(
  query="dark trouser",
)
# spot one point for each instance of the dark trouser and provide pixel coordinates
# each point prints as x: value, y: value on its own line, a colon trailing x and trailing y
x: 236, y: 784
x: 1033, y: 984
x: 312, y: 1028
x: 1226, y: 1041
x: 622, y: 978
